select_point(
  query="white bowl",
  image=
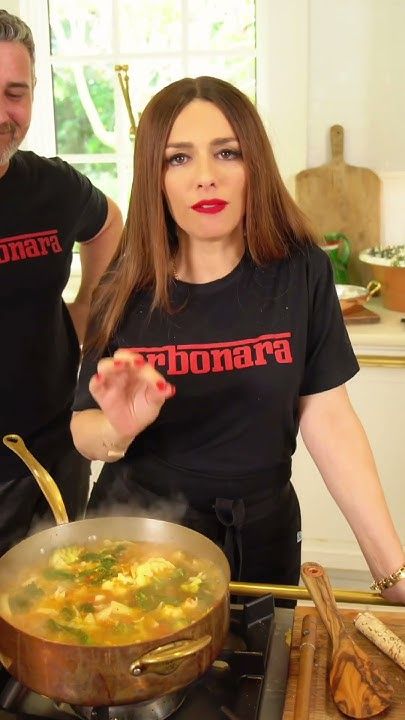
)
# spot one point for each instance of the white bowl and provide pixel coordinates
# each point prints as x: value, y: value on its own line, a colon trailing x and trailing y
x: 390, y: 256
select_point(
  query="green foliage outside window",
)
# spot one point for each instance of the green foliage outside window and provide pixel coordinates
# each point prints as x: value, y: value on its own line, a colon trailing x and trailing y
x: 218, y: 39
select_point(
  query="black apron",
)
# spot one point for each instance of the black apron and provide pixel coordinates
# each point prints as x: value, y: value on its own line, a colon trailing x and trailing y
x: 256, y: 521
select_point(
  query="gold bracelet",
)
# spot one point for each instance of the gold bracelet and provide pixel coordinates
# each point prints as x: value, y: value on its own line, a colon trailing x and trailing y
x: 390, y: 580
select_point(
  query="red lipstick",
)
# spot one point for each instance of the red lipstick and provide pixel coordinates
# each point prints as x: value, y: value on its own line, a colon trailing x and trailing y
x: 210, y: 207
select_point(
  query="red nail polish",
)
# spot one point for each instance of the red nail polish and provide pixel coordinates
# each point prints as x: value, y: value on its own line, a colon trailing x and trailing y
x: 161, y: 385
x: 173, y: 389
x: 118, y: 363
x: 139, y: 361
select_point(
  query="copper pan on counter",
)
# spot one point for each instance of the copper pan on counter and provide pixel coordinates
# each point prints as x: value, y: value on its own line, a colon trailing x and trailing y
x: 108, y: 675
x: 352, y: 297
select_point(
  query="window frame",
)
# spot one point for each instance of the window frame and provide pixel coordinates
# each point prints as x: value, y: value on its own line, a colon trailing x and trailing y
x: 282, y: 83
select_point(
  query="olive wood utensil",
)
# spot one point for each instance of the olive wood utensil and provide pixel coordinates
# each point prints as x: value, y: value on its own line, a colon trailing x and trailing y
x: 306, y: 664
x: 358, y: 688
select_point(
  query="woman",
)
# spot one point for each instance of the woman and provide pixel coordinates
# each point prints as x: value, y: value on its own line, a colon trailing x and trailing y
x: 215, y: 335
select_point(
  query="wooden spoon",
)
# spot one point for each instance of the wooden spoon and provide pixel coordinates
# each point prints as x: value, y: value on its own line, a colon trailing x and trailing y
x: 358, y: 687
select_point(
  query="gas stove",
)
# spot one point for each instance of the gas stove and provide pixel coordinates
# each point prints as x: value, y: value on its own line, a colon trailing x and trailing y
x: 242, y: 684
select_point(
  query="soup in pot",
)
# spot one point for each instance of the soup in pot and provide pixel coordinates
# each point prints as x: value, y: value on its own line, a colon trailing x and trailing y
x: 112, y: 593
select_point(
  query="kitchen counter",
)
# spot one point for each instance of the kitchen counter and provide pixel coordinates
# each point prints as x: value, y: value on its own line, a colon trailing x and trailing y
x: 386, y: 337
x: 272, y: 706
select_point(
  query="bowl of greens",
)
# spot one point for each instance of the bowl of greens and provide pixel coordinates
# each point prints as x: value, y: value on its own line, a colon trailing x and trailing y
x: 388, y: 267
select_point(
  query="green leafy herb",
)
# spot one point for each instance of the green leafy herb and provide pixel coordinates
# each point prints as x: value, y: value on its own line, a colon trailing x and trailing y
x: 67, y: 613
x: 90, y: 557
x: 51, y: 573
x: 25, y: 599
x: 145, y: 600
x: 86, y: 607
x: 19, y: 603
x: 33, y: 591
x: 78, y: 634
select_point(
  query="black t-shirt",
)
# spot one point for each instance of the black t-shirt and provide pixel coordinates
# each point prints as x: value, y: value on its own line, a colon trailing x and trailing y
x: 45, y: 206
x: 240, y: 353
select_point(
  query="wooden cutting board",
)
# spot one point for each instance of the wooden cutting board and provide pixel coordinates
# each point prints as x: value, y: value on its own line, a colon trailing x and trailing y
x: 343, y: 198
x: 360, y: 314
x: 322, y: 706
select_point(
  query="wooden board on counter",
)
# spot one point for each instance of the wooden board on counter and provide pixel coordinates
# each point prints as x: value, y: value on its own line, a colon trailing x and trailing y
x: 338, y: 197
x: 322, y: 706
x: 360, y: 314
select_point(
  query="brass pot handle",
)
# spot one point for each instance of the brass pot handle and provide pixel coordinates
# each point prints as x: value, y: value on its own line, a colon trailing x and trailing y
x: 373, y: 288
x: 166, y: 658
x: 42, y: 476
x: 5, y: 661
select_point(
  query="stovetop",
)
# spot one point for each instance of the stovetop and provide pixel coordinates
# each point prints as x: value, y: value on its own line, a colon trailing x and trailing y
x: 234, y: 688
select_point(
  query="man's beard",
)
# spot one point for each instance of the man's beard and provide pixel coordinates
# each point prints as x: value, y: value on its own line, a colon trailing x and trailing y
x: 8, y: 151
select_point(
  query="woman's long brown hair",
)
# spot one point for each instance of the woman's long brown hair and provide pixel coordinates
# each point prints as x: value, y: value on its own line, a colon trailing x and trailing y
x: 273, y: 221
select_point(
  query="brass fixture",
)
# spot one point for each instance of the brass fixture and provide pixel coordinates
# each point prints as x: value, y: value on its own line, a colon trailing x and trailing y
x: 391, y: 361
x: 123, y: 79
x: 292, y: 592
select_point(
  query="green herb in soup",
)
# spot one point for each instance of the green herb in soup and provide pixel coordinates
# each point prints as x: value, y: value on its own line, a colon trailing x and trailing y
x: 112, y: 593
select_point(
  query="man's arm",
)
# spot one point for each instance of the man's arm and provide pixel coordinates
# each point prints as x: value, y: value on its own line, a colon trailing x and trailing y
x: 95, y: 255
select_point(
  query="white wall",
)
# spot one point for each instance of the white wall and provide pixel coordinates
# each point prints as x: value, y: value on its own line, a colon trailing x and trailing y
x: 12, y: 6
x: 356, y: 78
x: 341, y: 62
x: 283, y: 83
x: 356, y: 70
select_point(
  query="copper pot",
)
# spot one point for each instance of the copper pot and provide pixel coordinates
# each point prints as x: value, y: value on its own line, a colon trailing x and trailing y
x: 354, y: 296
x: 113, y: 675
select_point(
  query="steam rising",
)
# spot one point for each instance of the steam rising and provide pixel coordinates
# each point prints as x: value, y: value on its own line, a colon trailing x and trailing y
x: 162, y: 509
x: 128, y: 499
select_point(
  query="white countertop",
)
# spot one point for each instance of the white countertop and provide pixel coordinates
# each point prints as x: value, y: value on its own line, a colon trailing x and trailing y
x: 386, y: 337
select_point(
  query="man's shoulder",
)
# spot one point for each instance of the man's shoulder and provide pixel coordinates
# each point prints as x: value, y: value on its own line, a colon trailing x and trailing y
x: 53, y: 172
x: 38, y: 163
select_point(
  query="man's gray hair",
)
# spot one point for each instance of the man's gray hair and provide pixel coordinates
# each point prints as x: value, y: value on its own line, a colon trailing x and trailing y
x: 13, y: 29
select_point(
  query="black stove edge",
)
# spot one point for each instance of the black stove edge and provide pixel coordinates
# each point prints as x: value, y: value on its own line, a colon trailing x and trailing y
x: 276, y: 677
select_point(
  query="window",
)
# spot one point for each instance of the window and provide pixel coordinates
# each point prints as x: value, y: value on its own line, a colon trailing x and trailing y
x: 80, y: 43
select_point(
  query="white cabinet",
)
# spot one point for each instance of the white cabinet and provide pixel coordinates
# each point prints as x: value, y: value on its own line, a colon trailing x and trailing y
x: 378, y: 396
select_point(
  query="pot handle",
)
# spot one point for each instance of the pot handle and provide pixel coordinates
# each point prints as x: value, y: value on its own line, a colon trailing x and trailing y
x: 166, y: 658
x: 43, y: 478
x: 5, y: 661
x: 373, y: 288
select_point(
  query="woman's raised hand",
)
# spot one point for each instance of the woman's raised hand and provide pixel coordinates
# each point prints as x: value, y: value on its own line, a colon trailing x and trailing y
x: 129, y: 391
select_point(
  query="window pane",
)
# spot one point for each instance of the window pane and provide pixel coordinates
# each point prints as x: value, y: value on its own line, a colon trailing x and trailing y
x: 146, y: 77
x: 80, y: 28
x: 221, y: 24
x: 240, y: 70
x: 102, y: 175
x: 84, y: 109
x: 151, y: 26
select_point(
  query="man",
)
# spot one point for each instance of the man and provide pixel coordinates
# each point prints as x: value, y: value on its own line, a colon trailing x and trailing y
x: 45, y: 206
